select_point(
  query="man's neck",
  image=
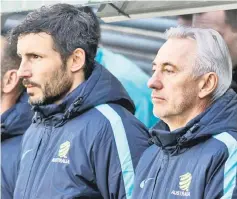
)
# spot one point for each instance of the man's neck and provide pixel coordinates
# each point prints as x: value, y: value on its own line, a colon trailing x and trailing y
x: 179, y: 121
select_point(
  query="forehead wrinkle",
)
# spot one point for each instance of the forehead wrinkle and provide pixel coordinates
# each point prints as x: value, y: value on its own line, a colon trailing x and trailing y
x: 184, y: 59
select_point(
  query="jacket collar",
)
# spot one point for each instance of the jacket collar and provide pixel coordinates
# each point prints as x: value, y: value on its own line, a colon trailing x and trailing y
x: 220, y: 116
x: 100, y: 88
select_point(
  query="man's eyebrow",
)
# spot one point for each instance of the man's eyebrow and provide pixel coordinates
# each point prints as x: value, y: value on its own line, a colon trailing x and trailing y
x: 165, y: 64
x: 169, y: 64
x: 30, y: 53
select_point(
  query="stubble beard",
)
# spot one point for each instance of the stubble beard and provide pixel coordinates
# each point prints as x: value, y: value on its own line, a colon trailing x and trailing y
x: 54, y: 89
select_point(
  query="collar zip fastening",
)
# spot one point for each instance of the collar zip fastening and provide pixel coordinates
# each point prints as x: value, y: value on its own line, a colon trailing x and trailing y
x: 78, y: 101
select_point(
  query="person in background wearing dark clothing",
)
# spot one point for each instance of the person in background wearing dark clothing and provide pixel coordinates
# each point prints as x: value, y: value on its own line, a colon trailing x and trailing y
x: 84, y: 141
x: 15, y: 118
x: 185, y: 20
x: 194, y: 149
x: 225, y: 22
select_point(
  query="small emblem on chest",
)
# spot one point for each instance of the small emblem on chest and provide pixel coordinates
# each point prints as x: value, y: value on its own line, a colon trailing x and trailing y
x: 62, y: 153
x: 184, y: 184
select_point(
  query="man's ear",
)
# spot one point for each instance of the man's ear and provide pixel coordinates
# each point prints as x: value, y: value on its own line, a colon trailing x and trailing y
x: 10, y: 81
x: 207, y: 84
x: 77, y: 60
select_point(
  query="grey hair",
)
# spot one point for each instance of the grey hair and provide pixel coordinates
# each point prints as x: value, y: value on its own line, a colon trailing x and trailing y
x: 212, y: 55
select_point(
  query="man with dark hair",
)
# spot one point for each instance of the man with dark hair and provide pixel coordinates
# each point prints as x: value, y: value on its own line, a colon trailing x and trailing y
x: 84, y: 141
x: 225, y: 22
x: 15, y: 118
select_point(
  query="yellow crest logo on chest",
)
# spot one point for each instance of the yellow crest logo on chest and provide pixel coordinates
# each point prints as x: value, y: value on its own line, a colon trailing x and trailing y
x: 63, y: 149
x: 185, y: 181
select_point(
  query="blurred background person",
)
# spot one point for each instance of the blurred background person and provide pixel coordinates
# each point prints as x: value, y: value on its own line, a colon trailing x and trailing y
x: 15, y: 118
x: 185, y: 20
x: 225, y: 22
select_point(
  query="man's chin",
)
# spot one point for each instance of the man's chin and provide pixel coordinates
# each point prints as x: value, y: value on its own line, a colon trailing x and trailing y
x: 160, y: 114
x: 35, y: 102
x: 44, y: 100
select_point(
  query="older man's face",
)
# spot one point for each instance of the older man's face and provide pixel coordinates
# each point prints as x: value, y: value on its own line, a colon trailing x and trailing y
x: 174, y: 89
x: 216, y: 20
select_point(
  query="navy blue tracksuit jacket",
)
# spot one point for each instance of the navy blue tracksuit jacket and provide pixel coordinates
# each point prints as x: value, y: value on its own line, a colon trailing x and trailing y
x: 86, y: 147
x: 198, y: 161
x: 14, y: 123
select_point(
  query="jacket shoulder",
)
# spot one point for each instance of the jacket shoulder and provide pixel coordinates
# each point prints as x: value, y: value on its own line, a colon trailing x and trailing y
x: 227, y: 142
x: 116, y: 115
x: 11, y: 145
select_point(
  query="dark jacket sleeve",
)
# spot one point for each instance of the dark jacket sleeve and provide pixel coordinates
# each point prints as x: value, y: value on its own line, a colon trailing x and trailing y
x: 10, y: 150
x: 222, y: 176
x: 114, y: 157
x: 109, y: 175
x: 5, y: 189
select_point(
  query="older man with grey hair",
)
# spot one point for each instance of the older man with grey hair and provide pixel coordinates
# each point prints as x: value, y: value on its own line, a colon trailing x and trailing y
x: 194, y: 146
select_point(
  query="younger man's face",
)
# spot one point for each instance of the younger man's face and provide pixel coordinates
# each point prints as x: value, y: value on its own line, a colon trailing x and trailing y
x: 45, y: 77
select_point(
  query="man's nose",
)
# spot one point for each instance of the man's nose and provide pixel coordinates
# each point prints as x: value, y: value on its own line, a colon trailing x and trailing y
x: 24, y: 70
x: 155, y: 82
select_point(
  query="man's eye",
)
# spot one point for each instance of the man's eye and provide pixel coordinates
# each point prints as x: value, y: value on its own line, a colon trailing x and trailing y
x: 168, y: 70
x: 153, y: 71
x: 35, y: 56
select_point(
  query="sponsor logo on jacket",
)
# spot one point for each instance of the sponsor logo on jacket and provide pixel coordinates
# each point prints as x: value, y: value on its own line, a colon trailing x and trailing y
x: 142, y: 184
x: 184, y: 184
x: 62, y: 153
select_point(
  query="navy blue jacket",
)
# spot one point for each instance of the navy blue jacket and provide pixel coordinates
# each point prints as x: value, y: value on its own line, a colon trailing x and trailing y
x: 198, y: 161
x: 14, y: 123
x: 85, y: 147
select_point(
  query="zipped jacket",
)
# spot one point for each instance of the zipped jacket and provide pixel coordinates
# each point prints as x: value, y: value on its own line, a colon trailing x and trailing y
x: 198, y: 161
x: 86, y: 147
x: 14, y: 122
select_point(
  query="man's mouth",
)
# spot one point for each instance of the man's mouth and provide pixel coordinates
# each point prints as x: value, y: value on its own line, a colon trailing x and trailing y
x: 28, y: 84
x: 157, y: 98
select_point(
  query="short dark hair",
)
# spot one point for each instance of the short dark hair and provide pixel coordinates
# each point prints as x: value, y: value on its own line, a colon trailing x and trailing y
x: 231, y: 18
x: 70, y: 27
x: 10, y: 59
